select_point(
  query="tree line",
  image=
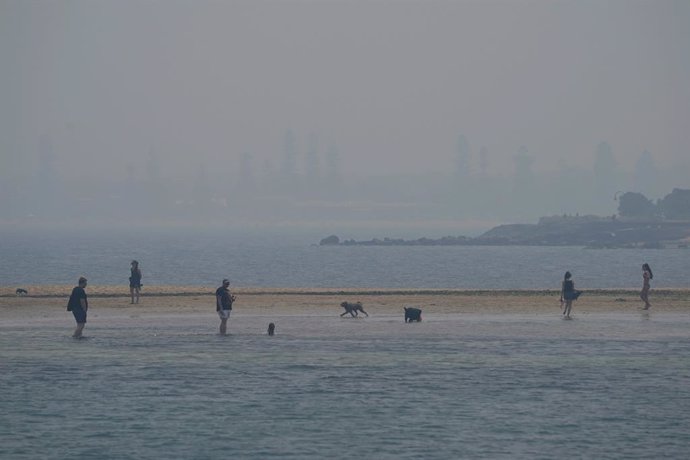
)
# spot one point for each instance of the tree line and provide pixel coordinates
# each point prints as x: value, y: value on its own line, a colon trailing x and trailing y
x: 674, y: 206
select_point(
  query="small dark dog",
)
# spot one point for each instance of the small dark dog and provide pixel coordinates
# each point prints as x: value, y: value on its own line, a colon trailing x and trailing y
x: 352, y: 309
x: 21, y: 291
x: 412, y: 314
x: 271, y: 328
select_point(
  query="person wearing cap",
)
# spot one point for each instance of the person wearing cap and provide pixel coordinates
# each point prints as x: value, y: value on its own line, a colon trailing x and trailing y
x: 78, y: 305
x: 224, y: 302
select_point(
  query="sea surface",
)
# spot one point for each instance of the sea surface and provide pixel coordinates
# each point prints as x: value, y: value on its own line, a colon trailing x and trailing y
x: 604, y: 386
x: 294, y: 260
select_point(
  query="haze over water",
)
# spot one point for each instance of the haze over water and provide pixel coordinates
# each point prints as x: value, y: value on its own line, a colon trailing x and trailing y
x: 129, y: 127
x: 292, y: 260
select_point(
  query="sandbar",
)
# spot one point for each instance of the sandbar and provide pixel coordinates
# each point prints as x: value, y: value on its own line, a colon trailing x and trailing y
x: 48, y: 301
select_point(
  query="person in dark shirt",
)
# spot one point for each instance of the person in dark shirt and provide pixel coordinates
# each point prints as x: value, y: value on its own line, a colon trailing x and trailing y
x: 135, y: 281
x: 78, y: 305
x: 224, y: 302
x: 568, y: 294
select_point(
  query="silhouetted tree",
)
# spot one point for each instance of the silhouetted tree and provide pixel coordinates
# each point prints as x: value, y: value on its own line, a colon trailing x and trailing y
x: 636, y: 205
x: 676, y: 205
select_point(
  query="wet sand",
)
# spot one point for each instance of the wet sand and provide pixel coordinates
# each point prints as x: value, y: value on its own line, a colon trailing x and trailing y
x: 47, y: 301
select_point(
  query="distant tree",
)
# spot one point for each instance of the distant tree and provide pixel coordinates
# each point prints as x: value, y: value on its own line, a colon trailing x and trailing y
x: 676, y: 205
x: 632, y: 204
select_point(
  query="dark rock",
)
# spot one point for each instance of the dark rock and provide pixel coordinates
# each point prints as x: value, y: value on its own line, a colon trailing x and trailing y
x: 330, y: 240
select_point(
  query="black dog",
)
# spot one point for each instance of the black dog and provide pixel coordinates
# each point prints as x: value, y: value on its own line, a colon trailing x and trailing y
x: 271, y: 328
x: 21, y: 291
x: 353, y: 308
x: 412, y: 314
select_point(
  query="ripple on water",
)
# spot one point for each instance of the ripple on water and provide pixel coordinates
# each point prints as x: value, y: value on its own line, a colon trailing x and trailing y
x: 474, y: 388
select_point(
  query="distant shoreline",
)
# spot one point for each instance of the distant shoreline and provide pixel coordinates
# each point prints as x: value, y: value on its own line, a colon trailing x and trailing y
x: 592, y: 232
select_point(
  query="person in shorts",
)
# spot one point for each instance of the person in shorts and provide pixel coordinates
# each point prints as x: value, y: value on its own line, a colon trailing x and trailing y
x: 78, y: 305
x: 224, y: 302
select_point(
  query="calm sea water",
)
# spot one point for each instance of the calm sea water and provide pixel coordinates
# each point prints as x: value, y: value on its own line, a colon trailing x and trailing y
x: 471, y: 386
x: 271, y: 259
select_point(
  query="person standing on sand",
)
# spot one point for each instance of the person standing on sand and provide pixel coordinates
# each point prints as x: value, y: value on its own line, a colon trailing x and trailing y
x: 135, y: 281
x: 224, y: 302
x: 78, y: 305
x: 647, y: 275
x: 568, y: 294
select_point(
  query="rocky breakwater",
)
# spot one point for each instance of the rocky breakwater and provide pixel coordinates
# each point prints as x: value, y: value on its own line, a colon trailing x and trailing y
x: 587, y: 231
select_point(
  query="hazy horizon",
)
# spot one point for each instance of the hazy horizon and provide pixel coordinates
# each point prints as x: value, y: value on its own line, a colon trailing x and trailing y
x: 343, y: 111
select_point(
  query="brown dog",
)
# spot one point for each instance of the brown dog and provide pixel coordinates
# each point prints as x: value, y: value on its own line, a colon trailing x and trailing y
x: 352, y: 309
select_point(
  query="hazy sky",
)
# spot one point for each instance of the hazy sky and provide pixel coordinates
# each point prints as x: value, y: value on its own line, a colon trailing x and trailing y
x: 392, y: 83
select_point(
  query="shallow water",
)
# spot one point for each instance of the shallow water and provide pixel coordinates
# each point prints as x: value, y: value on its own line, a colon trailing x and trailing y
x: 177, y: 257
x: 453, y: 386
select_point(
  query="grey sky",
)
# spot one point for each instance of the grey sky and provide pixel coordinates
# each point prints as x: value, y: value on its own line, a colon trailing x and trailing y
x: 392, y: 83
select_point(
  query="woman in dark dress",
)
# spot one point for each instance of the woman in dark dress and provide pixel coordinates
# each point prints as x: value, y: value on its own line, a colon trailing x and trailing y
x: 568, y: 294
x: 135, y: 282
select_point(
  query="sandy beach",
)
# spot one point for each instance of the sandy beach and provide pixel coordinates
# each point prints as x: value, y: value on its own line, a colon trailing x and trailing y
x: 49, y: 300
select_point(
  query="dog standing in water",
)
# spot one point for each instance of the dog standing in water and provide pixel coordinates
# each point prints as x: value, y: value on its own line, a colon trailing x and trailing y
x: 412, y: 314
x: 352, y: 309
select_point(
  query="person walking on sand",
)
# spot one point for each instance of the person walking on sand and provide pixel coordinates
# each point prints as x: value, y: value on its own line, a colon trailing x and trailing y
x: 135, y: 282
x: 568, y: 294
x: 647, y: 275
x: 224, y: 302
x: 78, y: 305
